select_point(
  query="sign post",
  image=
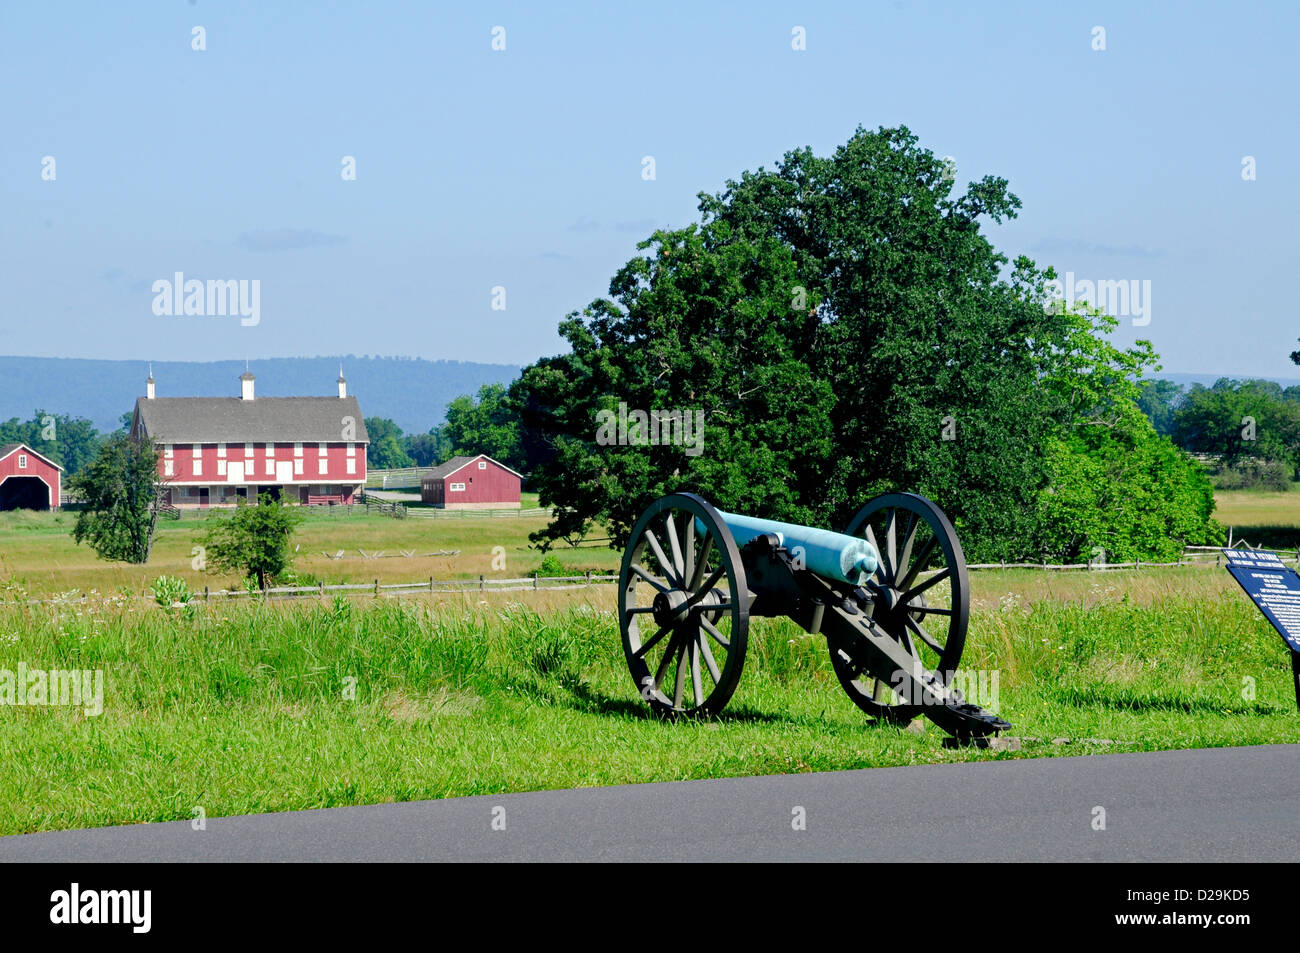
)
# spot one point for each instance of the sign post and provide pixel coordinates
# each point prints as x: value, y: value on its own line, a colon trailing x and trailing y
x: 1274, y: 587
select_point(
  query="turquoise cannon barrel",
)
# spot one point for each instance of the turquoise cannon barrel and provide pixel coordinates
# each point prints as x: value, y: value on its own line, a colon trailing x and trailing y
x: 830, y: 555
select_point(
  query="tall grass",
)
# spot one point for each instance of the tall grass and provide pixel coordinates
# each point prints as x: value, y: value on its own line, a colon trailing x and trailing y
x: 244, y: 708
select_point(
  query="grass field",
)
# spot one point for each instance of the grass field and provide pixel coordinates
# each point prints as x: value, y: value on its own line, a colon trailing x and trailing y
x: 1262, y: 518
x: 38, y: 555
x: 239, y: 708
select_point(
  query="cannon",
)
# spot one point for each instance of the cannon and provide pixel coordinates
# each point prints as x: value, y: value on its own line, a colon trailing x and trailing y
x: 891, y: 595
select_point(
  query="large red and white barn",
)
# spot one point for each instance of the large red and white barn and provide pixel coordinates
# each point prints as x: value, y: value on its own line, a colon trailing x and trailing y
x: 28, y: 481
x: 215, y: 451
x: 472, y: 483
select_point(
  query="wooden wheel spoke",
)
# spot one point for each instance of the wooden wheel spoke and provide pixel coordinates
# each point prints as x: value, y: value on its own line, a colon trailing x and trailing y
x: 889, y: 544
x: 883, y: 567
x: 681, y: 675
x: 923, y: 635
x: 644, y: 574
x: 706, y: 550
x: 909, y: 536
x: 708, y: 584
x: 675, y: 547
x: 910, y: 575
x: 931, y: 610
x: 688, y: 569
x: 709, y: 662
x: 718, y: 637
x: 667, y: 660
x: 934, y: 580
x: 668, y: 568
x: 693, y: 647
x: 639, y: 610
x: 651, y: 643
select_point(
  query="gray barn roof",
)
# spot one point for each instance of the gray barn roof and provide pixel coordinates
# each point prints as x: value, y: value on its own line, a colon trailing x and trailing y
x: 263, y: 420
x: 444, y: 470
x: 451, y: 466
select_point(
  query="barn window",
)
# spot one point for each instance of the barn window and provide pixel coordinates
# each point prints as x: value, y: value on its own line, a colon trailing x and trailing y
x: 270, y: 467
x: 297, y: 468
x: 169, y: 468
x: 297, y: 450
x: 198, y: 467
x: 167, y: 451
x: 482, y: 464
x: 352, y: 465
x: 198, y: 451
x: 221, y: 450
x: 248, y: 450
x: 352, y: 450
x: 457, y: 487
x: 323, y: 466
x: 22, y: 461
x: 221, y: 468
x: 270, y: 449
x: 321, y: 449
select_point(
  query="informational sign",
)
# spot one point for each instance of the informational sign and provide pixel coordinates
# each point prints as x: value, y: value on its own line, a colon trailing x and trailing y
x: 1274, y: 587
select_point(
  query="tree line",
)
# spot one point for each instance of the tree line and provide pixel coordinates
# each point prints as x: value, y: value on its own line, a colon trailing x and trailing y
x: 1250, y: 429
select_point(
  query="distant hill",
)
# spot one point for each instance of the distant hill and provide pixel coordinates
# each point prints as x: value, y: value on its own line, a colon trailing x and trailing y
x: 1187, y: 380
x: 411, y: 391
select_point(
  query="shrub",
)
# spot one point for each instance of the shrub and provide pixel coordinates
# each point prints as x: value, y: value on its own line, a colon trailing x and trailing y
x: 171, y: 592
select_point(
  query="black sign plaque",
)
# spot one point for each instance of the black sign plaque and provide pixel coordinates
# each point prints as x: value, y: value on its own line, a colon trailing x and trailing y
x: 1274, y: 587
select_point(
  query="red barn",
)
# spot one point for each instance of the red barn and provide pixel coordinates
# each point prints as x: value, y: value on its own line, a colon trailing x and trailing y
x: 28, y: 481
x: 472, y: 483
x: 215, y: 451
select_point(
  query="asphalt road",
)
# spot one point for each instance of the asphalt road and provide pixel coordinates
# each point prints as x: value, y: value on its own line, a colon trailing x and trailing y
x: 1224, y: 804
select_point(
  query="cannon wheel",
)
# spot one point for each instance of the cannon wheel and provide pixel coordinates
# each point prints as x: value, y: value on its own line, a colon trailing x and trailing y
x: 923, y: 572
x: 683, y: 607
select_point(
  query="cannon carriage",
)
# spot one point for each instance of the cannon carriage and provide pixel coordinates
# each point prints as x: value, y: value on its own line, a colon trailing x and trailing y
x: 890, y: 594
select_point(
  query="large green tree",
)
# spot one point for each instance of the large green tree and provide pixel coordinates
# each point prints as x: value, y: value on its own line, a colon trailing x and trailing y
x: 846, y: 329
x: 122, y: 496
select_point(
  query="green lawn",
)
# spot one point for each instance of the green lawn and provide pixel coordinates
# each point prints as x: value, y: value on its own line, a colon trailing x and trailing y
x: 245, y: 708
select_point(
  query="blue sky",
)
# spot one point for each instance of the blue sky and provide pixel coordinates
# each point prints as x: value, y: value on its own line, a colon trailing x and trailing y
x: 522, y: 168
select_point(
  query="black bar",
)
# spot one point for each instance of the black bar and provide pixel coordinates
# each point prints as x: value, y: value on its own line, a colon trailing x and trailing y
x: 1295, y: 675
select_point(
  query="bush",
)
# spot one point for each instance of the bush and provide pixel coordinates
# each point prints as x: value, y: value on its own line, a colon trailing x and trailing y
x: 551, y: 566
x: 1126, y: 491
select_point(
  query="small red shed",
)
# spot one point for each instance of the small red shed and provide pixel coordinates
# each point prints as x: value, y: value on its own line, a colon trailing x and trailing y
x: 28, y: 481
x: 472, y: 483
